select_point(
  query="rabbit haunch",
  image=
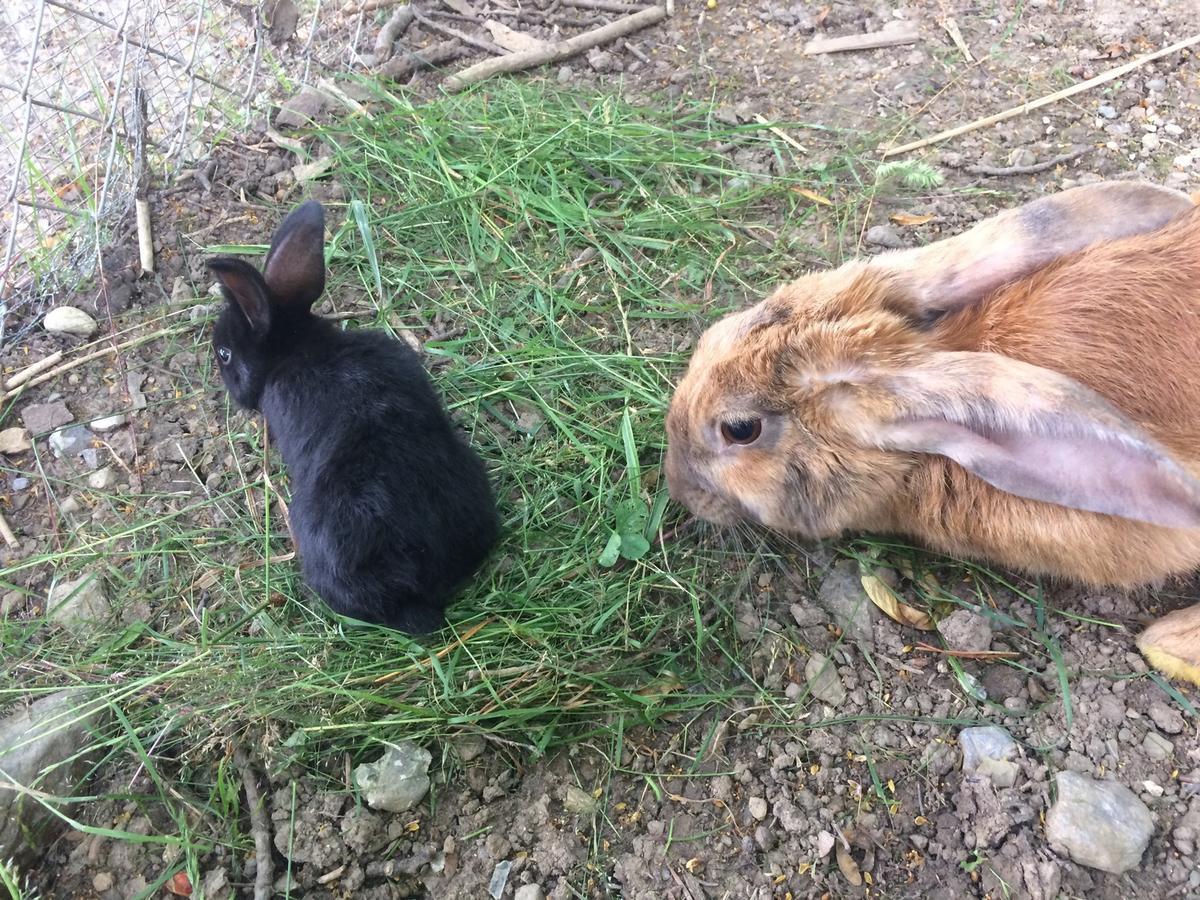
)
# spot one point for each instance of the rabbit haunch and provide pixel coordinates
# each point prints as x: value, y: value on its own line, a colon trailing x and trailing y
x: 1024, y: 393
x: 391, y: 509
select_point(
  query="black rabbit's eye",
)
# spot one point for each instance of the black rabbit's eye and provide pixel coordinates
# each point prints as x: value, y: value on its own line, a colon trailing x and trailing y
x: 743, y: 431
x: 224, y: 355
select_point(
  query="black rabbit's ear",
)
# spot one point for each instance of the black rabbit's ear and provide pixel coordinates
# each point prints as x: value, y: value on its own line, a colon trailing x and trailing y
x: 295, y: 265
x: 241, y: 284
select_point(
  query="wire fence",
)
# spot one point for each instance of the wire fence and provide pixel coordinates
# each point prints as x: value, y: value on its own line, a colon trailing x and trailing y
x: 97, y: 102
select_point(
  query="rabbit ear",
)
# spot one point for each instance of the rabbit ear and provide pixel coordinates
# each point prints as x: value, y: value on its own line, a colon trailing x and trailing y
x: 963, y: 270
x: 242, y: 285
x: 1037, y: 434
x: 295, y: 265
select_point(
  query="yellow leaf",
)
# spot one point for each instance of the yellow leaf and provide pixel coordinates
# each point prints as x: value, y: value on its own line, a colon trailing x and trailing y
x: 883, y: 597
x: 909, y: 219
x: 811, y: 195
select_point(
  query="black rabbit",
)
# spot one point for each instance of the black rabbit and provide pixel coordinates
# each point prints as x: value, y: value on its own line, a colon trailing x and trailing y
x: 391, y: 509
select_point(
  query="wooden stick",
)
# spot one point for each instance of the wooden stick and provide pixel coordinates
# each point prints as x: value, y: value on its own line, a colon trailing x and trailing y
x: 36, y: 369
x: 388, y: 35
x: 260, y: 827
x: 951, y: 27
x: 406, y: 62
x: 145, y: 236
x: 1002, y: 171
x: 460, y: 35
x: 781, y: 134
x: 604, y: 5
x: 6, y: 532
x: 515, y: 62
x: 369, y: 6
x: 892, y: 37
x: 1043, y: 101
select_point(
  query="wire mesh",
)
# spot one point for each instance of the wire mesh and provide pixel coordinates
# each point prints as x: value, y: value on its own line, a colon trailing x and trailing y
x: 93, y: 102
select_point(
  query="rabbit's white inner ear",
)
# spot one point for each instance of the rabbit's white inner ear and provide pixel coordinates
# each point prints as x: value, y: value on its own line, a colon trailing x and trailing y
x: 963, y: 270
x: 295, y: 265
x: 243, y: 286
x: 1040, y: 435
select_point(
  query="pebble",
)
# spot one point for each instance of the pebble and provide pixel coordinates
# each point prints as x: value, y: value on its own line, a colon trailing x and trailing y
x: 1173, y: 130
x: 12, y: 601
x: 1166, y: 717
x: 102, y: 479
x: 842, y: 594
x: 965, y: 629
x: 988, y: 751
x: 76, y: 604
x: 529, y: 892
x: 824, y: 680
x: 1156, y: 746
x: 20, y: 483
x: 791, y: 818
x: 102, y: 881
x: 1107, y: 112
x: 757, y: 807
x: 765, y: 838
x: 1099, y: 824
x: 884, y: 236
x: 565, y: 74
x: 42, y: 417
x: 69, y: 320
x: 1150, y: 141
x: 14, y: 440
x: 70, y: 441
x: 1022, y: 156
x: 825, y: 842
x: 398, y: 780
x: 301, y: 108
x: 579, y: 801
x: 108, y: 423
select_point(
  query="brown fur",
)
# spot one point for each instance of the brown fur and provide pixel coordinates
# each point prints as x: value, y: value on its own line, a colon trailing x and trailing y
x: 818, y: 358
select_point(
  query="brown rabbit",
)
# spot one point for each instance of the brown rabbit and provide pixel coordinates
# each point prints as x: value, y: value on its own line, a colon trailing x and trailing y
x: 1027, y: 393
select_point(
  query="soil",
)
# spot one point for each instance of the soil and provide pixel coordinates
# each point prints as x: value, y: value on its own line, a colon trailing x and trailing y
x: 730, y: 804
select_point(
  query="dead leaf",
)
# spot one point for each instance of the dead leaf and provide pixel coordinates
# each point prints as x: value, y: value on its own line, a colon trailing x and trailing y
x: 180, y: 885
x: 814, y: 197
x: 909, y: 219
x: 885, y: 598
x: 510, y: 39
x: 848, y: 866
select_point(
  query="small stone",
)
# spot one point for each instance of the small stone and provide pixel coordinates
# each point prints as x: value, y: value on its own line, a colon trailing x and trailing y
x: 965, y: 629
x: 765, y: 838
x: 757, y: 807
x: 301, y: 108
x: 1106, y: 112
x: 102, y: 479
x: 1100, y: 824
x: 529, y: 892
x: 842, y: 594
x: 1150, y: 141
x: 884, y: 236
x: 603, y: 61
x: 825, y: 842
x: 824, y: 680
x: 791, y: 818
x: 76, y: 604
x: 1022, y: 156
x: 102, y: 881
x: 565, y: 74
x: 108, y: 423
x: 20, y: 483
x: 579, y: 801
x: 1173, y: 129
x: 1166, y: 717
x: 398, y: 780
x: 69, y: 320
x: 1156, y: 84
x: 13, y: 601
x: 985, y: 742
x: 42, y: 417
x: 14, y: 440
x: 1000, y: 772
x: 1156, y: 746
x: 70, y: 441
x: 133, y: 382
x: 469, y: 746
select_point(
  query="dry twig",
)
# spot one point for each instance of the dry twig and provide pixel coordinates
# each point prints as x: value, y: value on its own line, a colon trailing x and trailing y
x: 906, y: 33
x: 461, y: 35
x: 406, y: 62
x: 260, y: 827
x: 1002, y: 171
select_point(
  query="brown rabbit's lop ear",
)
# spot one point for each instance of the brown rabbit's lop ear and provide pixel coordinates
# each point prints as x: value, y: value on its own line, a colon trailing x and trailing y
x: 963, y: 270
x: 295, y: 265
x: 1037, y: 434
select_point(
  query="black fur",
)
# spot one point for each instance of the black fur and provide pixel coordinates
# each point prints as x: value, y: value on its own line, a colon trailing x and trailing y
x: 391, y: 509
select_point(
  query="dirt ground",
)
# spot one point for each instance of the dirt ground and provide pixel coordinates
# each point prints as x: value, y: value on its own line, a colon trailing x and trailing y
x: 732, y: 804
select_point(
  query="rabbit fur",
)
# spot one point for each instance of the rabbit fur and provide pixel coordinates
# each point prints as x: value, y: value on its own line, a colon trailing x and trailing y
x: 391, y: 510
x: 1025, y: 393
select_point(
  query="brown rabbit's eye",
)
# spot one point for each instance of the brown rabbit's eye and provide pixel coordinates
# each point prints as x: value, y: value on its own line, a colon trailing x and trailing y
x: 224, y: 355
x: 743, y: 431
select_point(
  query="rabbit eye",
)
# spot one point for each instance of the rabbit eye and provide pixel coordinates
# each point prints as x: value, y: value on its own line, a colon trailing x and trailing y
x: 224, y: 355
x: 743, y: 431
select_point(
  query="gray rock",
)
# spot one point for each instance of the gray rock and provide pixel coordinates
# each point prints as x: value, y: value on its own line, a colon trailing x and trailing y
x: 579, y: 801
x: 1022, y: 156
x: 301, y: 108
x: 824, y: 681
x: 42, y: 417
x: 398, y: 780
x: 884, y: 236
x: 757, y: 807
x: 1100, y: 824
x: 1167, y: 718
x: 69, y: 320
x: 79, y: 603
x: 499, y: 878
x: 792, y: 819
x: 20, y: 483
x: 15, y: 440
x: 565, y: 74
x: 70, y: 441
x: 469, y: 747
x: 1106, y: 112
x: 102, y: 479
x: 134, y: 382
x: 529, y: 892
x: 985, y: 742
x: 108, y: 423
x: 1156, y: 746
x: 38, y: 740
x: 965, y: 629
x: 842, y: 594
